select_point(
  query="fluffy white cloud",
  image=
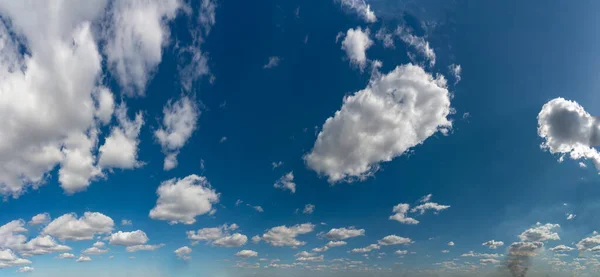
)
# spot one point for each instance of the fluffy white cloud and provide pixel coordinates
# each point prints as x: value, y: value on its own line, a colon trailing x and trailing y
x: 400, y: 214
x: 311, y: 259
x: 540, y: 233
x: 183, y: 253
x: 393, y: 240
x: 95, y: 251
x: 246, y: 254
x: 308, y: 209
x: 571, y: 216
x: 256, y: 239
x: 8, y: 258
x: 286, y: 182
x: 25, y: 269
x: 181, y: 200
x: 83, y: 259
x: 135, y: 40
x: 344, y: 233
x: 66, y: 256
x: 482, y: 255
x: 128, y: 238
x: 429, y: 206
x: 418, y: 43
x: 568, y: 130
x: 588, y: 243
x: 40, y: 245
x: 562, y: 248
x: 366, y: 249
x: 273, y: 62
x: 488, y: 261
x: 286, y: 236
x: 356, y: 44
x: 396, y: 111
x: 401, y: 252
x: 99, y: 244
x: 336, y: 243
x: 178, y: 124
x: 492, y: 244
x: 235, y: 240
x: 51, y: 94
x: 40, y: 219
x: 527, y: 248
x: 126, y: 222
x: 121, y: 146
x: 69, y: 227
x: 144, y: 247
x: 361, y: 8
x: 451, y: 243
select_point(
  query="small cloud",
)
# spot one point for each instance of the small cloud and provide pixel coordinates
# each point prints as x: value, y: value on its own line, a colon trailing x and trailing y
x: 308, y: 209
x: 273, y: 62
x: 451, y: 243
x: 466, y: 115
x: 571, y: 216
x: 126, y: 222
x: 277, y: 164
x: 455, y: 70
x: 445, y: 251
x: 223, y: 139
x: 238, y: 202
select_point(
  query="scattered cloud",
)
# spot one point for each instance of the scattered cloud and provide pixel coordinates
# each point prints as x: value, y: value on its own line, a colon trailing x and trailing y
x: 456, y: 71
x: 25, y: 269
x: 561, y: 248
x: 418, y: 43
x: 277, y: 164
x: 361, y: 8
x: 40, y: 219
x: 286, y: 236
x: 83, y: 259
x: 246, y: 254
x: 69, y: 227
x: 121, y: 147
x: 355, y: 44
x: 181, y: 200
x: 394, y: 240
x: 366, y: 249
x: 308, y: 209
x: 273, y: 62
x: 385, y: 37
x: 66, y: 256
x: 451, y: 243
x: 219, y: 236
x: 571, y: 216
x: 492, y: 244
x: 400, y: 215
x: 389, y: 127
x: 286, y: 182
x: 344, y: 233
x: 183, y: 253
x: 126, y: 222
x: 128, y: 238
x: 540, y: 233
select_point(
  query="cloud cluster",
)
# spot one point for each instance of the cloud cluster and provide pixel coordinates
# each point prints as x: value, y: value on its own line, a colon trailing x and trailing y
x: 286, y: 182
x: 183, y: 253
x: 394, y: 240
x: 344, y: 233
x: 181, y: 200
x: 218, y: 236
x: 567, y: 129
x: 286, y: 236
x: 361, y: 8
x: 395, y: 112
x: 355, y: 44
x: 401, y: 210
x: 69, y: 227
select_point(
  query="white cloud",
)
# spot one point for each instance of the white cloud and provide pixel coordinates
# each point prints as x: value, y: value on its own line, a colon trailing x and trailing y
x: 344, y: 233
x: 401, y: 252
x: 455, y: 70
x: 95, y: 251
x: 25, y: 269
x: 181, y: 200
x: 286, y: 182
x: 40, y: 245
x: 178, y: 124
x: 492, y: 244
x: 246, y: 254
x: 451, y: 243
x: 135, y: 40
x: 121, y: 146
x: 235, y: 240
x: 393, y: 240
x: 66, y: 256
x: 429, y: 206
x: 82, y: 259
x: 419, y: 43
x: 425, y: 198
x: 445, y: 251
x: 588, y: 243
x: 356, y: 44
x: 524, y: 249
x: 256, y: 239
x: 571, y: 216
x: 540, y: 233
x: 400, y: 215
x: 126, y: 222
x: 183, y: 253
x: 336, y: 243
x: 396, y: 112
x: 308, y: 209
x: 277, y: 164
x: 366, y: 249
x: 69, y: 227
x: 482, y: 255
x: 286, y: 236
x: 128, y: 238
x: 99, y: 244
x: 51, y: 94
x: 258, y: 209
x: 489, y: 261
x: 40, y: 219
x: 561, y: 248
x: 311, y: 259
x: 361, y: 8
x: 273, y: 62
x: 567, y: 129
x: 385, y: 37
x: 144, y: 247
x: 8, y: 258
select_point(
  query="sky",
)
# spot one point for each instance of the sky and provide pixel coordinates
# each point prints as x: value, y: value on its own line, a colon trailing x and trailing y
x: 299, y: 138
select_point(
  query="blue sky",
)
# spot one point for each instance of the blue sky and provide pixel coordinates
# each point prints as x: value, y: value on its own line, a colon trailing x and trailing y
x: 299, y: 138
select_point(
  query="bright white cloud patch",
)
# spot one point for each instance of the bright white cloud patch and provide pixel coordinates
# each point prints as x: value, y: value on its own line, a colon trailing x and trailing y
x: 396, y: 112
x: 121, y: 146
x: 235, y: 240
x: 128, y: 238
x: 183, y: 253
x: 492, y: 244
x: 393, y: 240
x: 308, y: 209
x: 355, y: 44
x: 40, y: 219
x: 83, y: 259
x: 246, y: 254
x: 178, y: 124
x: 386, y: 38
x: 366, y: 249
x: 50, y: 93
x: 181, y: 200
x: 66, y: 256
x: 144, y: 247
x: 95, y: 251
x: 286, y: 182
x: 286, y: 236
x: 25, y: 269
x: 361, y: 8
x: 218, y: 236
x: 400, y: 214
x: 540, y: 233
x: 567, y: 129
x: 136, y: 37
x: 561, y: 248
x: 429, y: 206
x: 589, y: 243
x: 344, y: 233
x: 69, y: 227
x: 456, y: 71
x: 418, y: 43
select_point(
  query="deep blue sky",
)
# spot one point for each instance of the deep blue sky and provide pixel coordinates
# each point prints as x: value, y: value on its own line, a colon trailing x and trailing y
x: 515, y: 56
